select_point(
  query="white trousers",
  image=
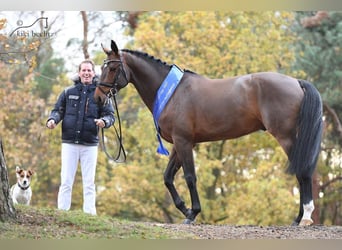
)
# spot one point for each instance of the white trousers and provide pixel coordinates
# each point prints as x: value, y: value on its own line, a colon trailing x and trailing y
x: 71, y: 155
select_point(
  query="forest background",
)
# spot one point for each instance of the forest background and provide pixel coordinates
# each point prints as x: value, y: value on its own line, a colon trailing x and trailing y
x: 240, y: 181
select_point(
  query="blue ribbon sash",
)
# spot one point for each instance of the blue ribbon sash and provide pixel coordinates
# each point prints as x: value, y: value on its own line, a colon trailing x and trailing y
x: 164, y: 94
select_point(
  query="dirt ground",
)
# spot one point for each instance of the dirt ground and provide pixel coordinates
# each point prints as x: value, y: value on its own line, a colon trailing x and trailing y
x: 35, y: 220
x: 258, y: 232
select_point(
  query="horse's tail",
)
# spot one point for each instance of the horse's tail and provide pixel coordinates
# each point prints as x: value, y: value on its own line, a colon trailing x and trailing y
x: 304, y: 153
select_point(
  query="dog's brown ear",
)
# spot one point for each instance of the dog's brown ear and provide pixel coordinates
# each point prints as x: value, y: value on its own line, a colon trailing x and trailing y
x: 31, y: 172
x: 17, y: 169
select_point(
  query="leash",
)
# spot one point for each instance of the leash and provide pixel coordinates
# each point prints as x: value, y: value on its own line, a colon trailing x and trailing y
x: 121, y: 150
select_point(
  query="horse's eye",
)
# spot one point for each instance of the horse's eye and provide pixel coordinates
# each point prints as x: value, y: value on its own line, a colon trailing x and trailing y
x: 113, y: 68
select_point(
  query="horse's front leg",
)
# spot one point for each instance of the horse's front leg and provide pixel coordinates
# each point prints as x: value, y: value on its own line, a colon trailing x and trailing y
x: 185, y: 155
x: 190, y: 177
x: 169, y: 176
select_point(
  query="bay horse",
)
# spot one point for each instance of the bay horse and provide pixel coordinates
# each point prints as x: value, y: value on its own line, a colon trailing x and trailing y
x: 202, y: 109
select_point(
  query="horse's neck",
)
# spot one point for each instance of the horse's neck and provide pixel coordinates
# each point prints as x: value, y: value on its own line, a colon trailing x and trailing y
x: 145, y: 78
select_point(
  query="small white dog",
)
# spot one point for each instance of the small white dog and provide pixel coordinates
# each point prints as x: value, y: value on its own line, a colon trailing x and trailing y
x: 21, y: 192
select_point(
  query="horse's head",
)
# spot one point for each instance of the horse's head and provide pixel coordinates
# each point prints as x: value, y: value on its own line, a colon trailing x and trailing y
x: 113, y: 75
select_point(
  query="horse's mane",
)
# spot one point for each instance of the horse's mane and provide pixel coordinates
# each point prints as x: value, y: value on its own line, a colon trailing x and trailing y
x: 151, y: 58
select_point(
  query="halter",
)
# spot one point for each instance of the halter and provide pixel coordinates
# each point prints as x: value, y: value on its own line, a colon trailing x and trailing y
x: 114, y: 85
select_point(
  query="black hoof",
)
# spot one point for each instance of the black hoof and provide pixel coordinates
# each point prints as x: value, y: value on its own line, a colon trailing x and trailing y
x: 188, y: 222
x: 294, y: 224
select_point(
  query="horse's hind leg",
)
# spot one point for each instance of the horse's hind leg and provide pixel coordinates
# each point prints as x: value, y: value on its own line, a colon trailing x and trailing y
x: 306, y: 201
x: 306, y: 205
x: 169, y: 175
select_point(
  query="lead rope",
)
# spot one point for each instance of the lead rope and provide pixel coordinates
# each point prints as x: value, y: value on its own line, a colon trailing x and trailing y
x: 121, y: 150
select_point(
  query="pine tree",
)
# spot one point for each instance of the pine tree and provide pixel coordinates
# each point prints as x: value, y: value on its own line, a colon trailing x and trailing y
x: 319, y: 54
x: 318, y: 58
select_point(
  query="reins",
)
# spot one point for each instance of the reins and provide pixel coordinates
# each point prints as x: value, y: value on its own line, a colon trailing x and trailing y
x: 118, y: 136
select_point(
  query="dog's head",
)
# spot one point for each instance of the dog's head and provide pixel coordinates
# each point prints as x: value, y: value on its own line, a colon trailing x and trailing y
x: 24, y: 176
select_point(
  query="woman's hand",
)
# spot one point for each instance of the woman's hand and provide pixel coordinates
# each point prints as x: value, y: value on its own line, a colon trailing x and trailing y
x: 100, y: 123
x: 51, y: 124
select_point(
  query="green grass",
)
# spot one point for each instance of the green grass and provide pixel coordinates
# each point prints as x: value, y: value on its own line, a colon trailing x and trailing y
x: 45, y: 223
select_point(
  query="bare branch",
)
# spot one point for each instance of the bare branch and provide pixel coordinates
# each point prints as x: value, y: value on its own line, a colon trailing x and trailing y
x: 132, y: 18
x: 335, y: 119
x: 325, y: 185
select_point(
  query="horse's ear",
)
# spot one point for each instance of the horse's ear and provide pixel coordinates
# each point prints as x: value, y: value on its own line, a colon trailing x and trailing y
x: 107, y: 51
x: 114, y: 47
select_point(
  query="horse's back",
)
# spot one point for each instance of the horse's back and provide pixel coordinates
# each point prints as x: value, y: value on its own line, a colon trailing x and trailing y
x: 264, y: 96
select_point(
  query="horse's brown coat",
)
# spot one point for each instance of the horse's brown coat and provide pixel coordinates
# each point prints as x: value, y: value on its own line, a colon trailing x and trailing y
x: 203, y: 109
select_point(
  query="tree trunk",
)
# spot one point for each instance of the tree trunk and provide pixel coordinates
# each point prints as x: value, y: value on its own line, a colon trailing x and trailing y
x: 85, y: 35
x: 7, y: 210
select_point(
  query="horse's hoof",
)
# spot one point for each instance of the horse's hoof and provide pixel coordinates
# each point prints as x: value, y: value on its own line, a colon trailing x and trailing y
x: 188, y: 222
x: 306, y: 222
x: 294, y: 224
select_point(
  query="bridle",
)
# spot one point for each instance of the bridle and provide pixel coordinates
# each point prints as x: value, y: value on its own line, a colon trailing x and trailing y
x: 112, y: 95
x: 115, y: 84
